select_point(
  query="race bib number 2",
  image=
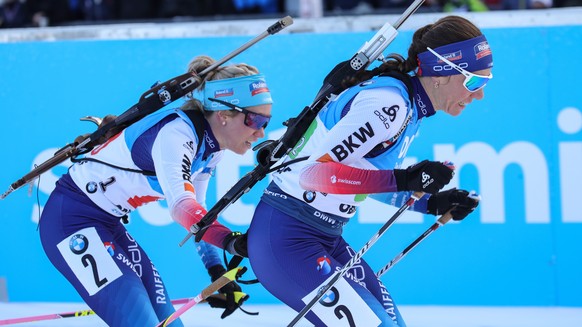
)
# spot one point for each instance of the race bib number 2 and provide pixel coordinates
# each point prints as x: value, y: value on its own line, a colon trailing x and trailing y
x: 89, y: 260
x: 343, y: 306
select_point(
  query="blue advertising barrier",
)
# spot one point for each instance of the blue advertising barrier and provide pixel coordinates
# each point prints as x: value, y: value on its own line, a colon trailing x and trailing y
x: 520, y: 148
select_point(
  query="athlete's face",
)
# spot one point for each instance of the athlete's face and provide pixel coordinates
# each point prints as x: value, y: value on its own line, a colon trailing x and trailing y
x: 240, y: 135
x: 452, y: 97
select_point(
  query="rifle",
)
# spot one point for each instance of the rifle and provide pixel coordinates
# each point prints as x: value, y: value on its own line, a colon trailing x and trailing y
x: 271, y: 151
x: 157, y: 97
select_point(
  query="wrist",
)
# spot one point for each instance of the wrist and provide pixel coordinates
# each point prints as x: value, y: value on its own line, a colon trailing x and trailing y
x: 431, y: 205
x: 400, y: 178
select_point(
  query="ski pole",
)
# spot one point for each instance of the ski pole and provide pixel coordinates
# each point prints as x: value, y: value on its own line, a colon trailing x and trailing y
x: 229, y: 276
x: 150, y: 101
x: 440, y: 222
x: 336, y: 277
x: 71, y: 314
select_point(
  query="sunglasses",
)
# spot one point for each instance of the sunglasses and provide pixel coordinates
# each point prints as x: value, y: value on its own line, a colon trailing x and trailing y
x: 252, y: 119
x: 473, y: 82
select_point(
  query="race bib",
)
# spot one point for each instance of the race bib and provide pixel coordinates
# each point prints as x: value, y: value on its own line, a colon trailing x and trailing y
x: 89, y: 260
x: 342, y: 306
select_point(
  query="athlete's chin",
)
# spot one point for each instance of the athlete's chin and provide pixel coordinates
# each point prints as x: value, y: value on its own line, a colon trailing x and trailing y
x: 455, y: 111
x: 241, y: 149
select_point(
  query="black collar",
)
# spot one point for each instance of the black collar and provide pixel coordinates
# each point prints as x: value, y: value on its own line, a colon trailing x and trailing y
x: 421, y: 99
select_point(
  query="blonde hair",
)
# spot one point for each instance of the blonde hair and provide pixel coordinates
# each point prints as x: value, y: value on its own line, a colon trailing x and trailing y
x: 200, y: 63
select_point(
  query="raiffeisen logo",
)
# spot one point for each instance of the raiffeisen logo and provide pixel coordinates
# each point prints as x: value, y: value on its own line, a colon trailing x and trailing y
x: 482, y: 49
x: 258, y: 87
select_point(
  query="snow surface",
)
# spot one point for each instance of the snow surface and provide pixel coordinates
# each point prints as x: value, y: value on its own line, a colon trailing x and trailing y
x: 278, y: 315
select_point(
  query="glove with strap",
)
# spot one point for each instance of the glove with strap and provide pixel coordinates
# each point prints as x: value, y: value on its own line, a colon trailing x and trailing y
x: 425, y: 176
x: 230, y: 297
x: 461, y: 202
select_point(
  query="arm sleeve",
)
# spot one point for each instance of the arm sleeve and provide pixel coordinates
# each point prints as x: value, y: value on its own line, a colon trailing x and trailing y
x: 172, y: 154
x: 335, y: 178
x: 366, y: 125
x: 208, y: 253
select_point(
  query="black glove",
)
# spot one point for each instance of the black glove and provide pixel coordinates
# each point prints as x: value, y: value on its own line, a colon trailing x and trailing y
x: 461, y: 201
x: 425, y: 176
x: 230, y: 297
x: 236, y: 244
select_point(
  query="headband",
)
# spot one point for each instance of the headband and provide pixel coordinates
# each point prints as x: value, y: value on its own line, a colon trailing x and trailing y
x: 244, y: 91
x: 472, y: 55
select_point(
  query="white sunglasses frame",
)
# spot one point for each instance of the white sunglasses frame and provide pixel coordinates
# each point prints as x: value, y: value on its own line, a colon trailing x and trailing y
x: 468, y: 75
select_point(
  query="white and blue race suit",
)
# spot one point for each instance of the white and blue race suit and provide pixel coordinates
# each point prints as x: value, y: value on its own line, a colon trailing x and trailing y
x: 295, y: 241
x: 80, y: 226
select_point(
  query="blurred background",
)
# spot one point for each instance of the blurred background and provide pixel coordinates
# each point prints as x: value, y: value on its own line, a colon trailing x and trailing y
x: 520, y: 147
x: 41, y: 13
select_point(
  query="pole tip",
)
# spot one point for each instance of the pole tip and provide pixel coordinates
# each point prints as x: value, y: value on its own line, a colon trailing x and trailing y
x: 286, y: 21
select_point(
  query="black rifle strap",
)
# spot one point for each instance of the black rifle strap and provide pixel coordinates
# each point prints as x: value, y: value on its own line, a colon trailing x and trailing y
x: 197, y: 120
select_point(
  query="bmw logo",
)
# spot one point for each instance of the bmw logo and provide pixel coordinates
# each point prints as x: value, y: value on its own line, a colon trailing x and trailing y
x: 330, y: 298
x: 78, y: 243
x: 309, y: 196
x: 91, y: 187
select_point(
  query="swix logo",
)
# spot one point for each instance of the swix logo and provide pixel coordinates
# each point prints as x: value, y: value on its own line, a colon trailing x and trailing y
x: 186, y: 167
x: 354, y: 141
x: 258, y: 87
x: 223, y: 93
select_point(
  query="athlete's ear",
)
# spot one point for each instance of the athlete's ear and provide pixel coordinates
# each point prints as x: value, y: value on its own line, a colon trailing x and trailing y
x: 222, y: 116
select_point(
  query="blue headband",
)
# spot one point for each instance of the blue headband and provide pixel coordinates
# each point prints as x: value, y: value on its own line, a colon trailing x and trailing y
x: 472, y: 55
x: 244, y: 91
